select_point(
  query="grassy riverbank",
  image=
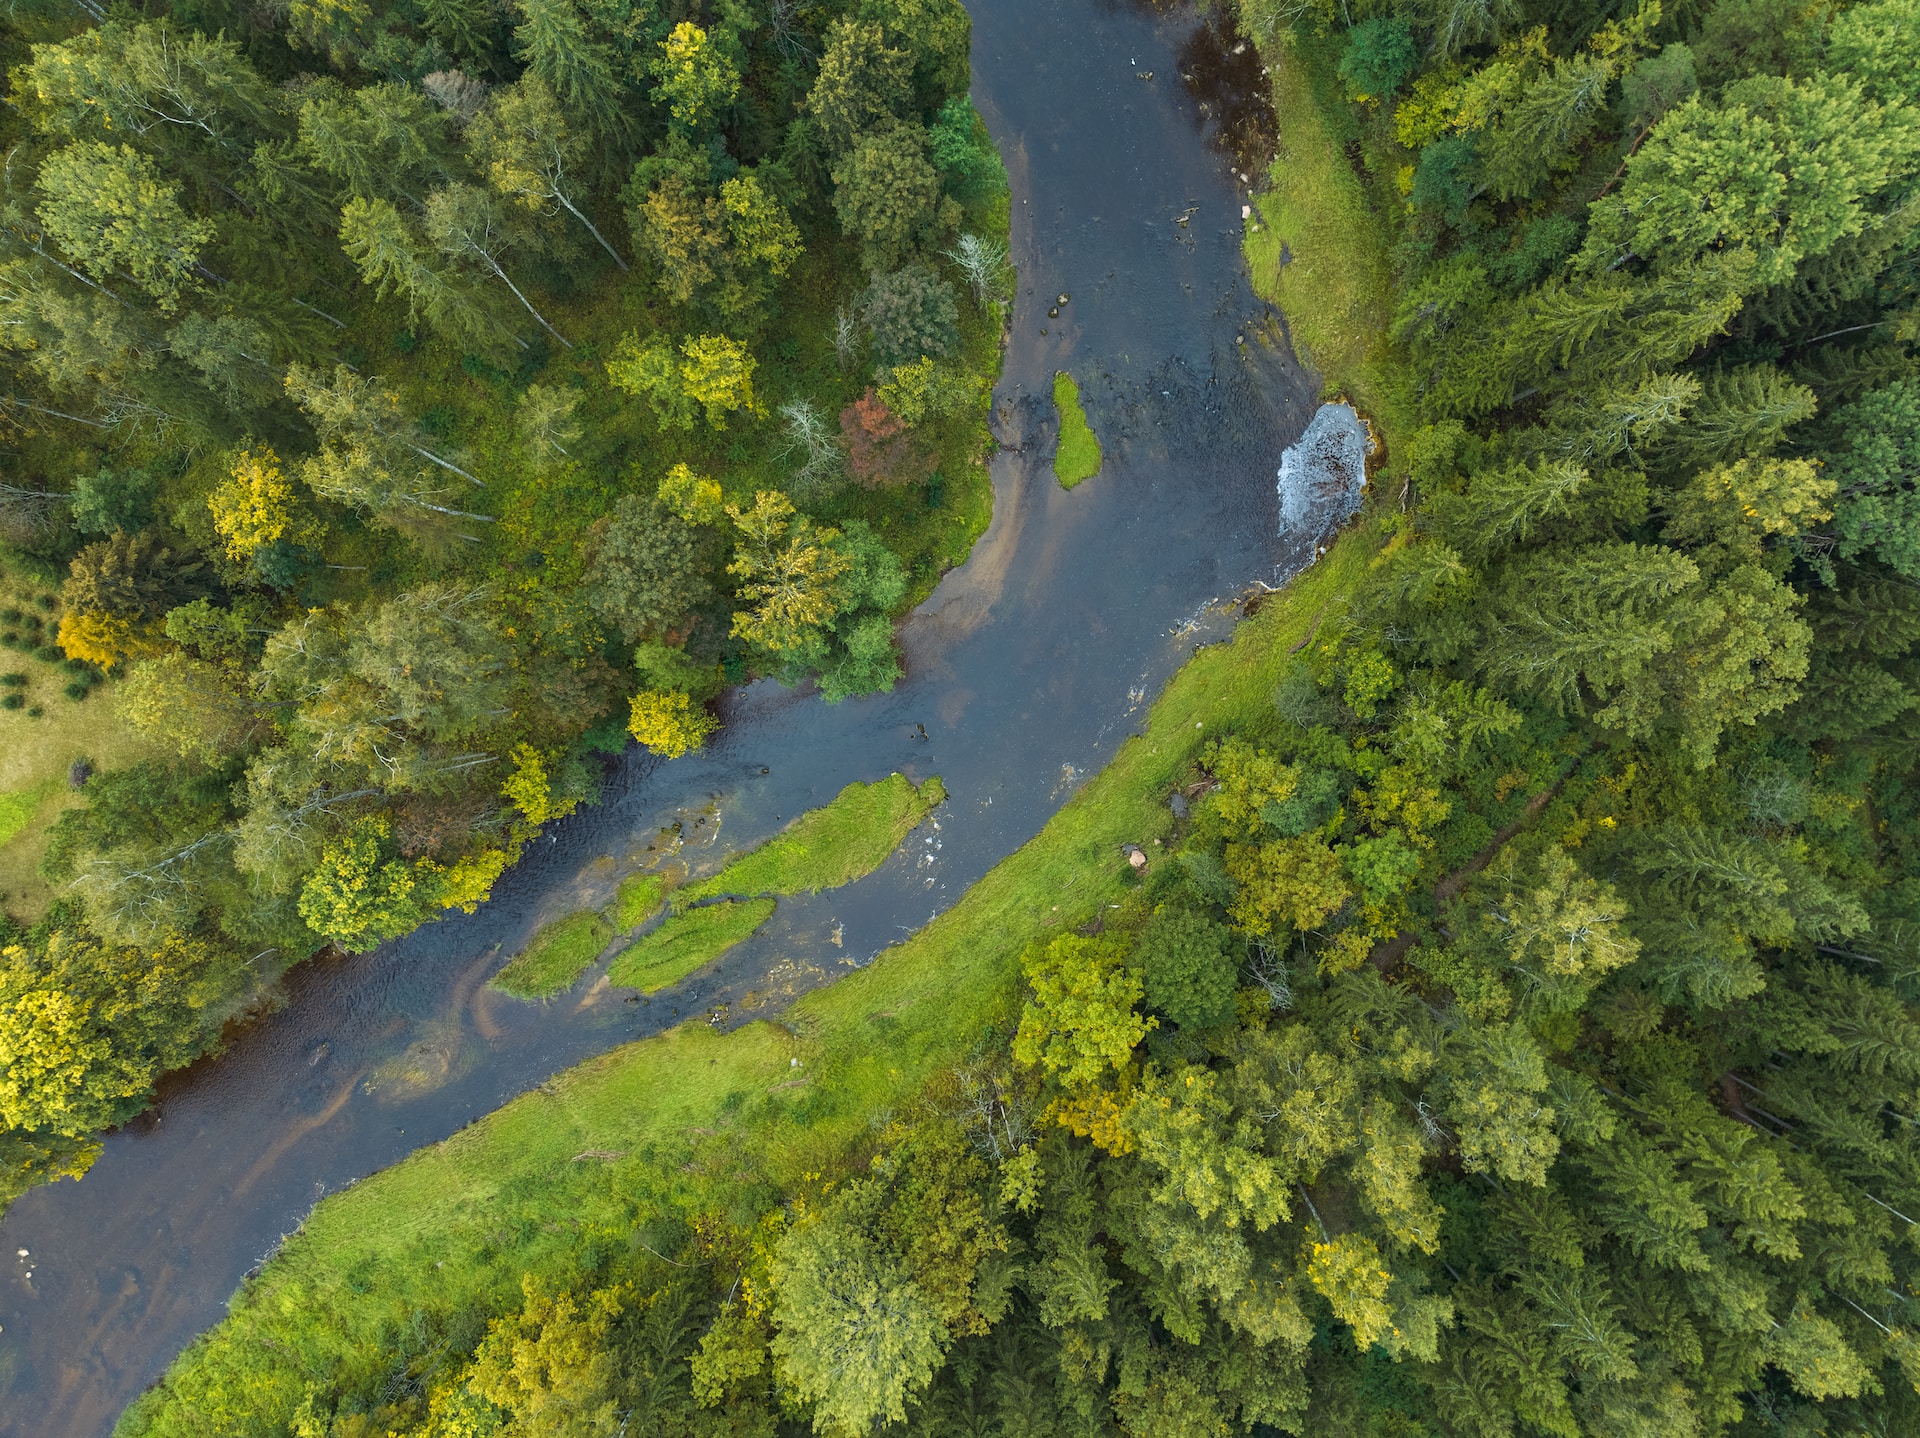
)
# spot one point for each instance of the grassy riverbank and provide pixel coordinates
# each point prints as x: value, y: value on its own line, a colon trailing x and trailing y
x: 1320, y: 252
x: 696, y: 1121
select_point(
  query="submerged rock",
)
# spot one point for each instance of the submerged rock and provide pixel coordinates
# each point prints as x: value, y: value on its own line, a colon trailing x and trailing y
x: 1323, y: 475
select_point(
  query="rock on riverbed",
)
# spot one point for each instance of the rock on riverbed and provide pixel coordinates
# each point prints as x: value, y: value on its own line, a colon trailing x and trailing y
x: 1323, y: 475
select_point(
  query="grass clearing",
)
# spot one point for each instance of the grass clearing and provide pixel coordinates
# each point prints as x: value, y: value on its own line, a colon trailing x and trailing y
x: 638, y: 899
x: 555, y: 957
x: 698, y: 1120
x: 18, y: 808
x: 1321, y: 251
x: 844, y: 839
x: 1077, y: 456
x: 40, y: 740
x: 687, y: 942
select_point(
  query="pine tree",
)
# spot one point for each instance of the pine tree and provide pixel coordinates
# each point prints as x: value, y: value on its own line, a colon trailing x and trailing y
x: 579, y: 70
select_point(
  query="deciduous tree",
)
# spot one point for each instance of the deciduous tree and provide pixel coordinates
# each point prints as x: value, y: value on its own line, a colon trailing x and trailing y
x: 109, y: 211
x: 521, y: 141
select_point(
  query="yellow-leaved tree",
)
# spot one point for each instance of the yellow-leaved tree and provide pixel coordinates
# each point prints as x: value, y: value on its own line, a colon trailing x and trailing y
x: 256, y: 505
x: 792, y: 574
x: 669, y: 722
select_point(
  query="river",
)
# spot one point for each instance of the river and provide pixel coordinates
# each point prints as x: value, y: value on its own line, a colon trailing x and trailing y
x: 1025, y: 669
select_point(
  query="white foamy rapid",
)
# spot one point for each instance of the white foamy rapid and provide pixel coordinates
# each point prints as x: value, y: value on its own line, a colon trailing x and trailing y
x: 1323, y: 474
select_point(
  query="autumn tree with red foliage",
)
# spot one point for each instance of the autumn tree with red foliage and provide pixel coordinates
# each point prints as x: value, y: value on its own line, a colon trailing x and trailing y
x: 880, y: 451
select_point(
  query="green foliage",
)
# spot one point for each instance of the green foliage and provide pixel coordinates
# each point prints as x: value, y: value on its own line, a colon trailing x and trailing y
x: 912, y: 315
x: 697, y: 78
x: 549, y: 1366
x: 361, y: 894
x: 887, y: 195
x: 1082, y: 1020
x: 687, y: 941
x: 864, y: 84
x: 963, y: 153
x: 85, y: 1028
x: 1791, y: 168
x: 1187, y: 965
x: 873, y: 1289
x: 554, y: 957
x: 845, y: 839
x: 128, y: 576
x: 1876, y: 467
x: 1382, y: 867
x: 580, y: 69
x: 108, y: 208
x: 1077, y: 456
x: 1380, y: 55
x: 791, y: 572
x: 650, y: 569
x: 711, y: 374
x: 724, y: 245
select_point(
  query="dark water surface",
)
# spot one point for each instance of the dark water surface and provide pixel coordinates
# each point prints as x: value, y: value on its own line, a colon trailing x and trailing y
x: 1026, y: 668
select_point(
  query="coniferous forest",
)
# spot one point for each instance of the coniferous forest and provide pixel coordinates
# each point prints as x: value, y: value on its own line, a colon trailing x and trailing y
x: 1512, y: 1029
x: 406, y: 404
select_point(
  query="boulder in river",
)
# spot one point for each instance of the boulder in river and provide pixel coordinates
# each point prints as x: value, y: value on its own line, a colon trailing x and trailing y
x: 1324, y: 473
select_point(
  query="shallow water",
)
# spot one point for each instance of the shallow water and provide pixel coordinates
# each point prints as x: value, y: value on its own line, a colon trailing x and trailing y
x: 1025, y: 669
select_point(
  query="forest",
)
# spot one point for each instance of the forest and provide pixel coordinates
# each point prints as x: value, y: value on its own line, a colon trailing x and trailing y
x: 1514, y: 1031
x: 408, y: 403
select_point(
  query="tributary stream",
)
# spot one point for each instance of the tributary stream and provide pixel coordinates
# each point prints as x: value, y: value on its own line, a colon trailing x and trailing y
x: 1025, y: 669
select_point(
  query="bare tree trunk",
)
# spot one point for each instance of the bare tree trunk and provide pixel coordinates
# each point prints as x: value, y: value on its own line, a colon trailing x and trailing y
x: 56, y: 413
x: 495, y: 266
x: 574, y: 211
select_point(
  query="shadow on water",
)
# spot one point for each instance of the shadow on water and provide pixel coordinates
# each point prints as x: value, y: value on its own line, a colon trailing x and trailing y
x: 1025, y: 669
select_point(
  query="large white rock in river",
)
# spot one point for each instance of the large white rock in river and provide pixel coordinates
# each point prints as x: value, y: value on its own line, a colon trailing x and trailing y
x: 1323, y: 474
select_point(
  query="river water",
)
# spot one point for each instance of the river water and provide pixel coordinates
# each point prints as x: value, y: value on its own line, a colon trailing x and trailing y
x: 1123, y: 128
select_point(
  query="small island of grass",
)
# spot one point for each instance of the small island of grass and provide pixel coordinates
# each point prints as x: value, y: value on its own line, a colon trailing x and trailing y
x: 1077, y: 456
x: 555, y: 957
x: 839, y: 842
x: 639, y: 899
x: 686, y: 942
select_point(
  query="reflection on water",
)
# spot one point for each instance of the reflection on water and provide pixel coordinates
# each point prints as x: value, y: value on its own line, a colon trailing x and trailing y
x: 1024, y: 670
x: 1222, y: 71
